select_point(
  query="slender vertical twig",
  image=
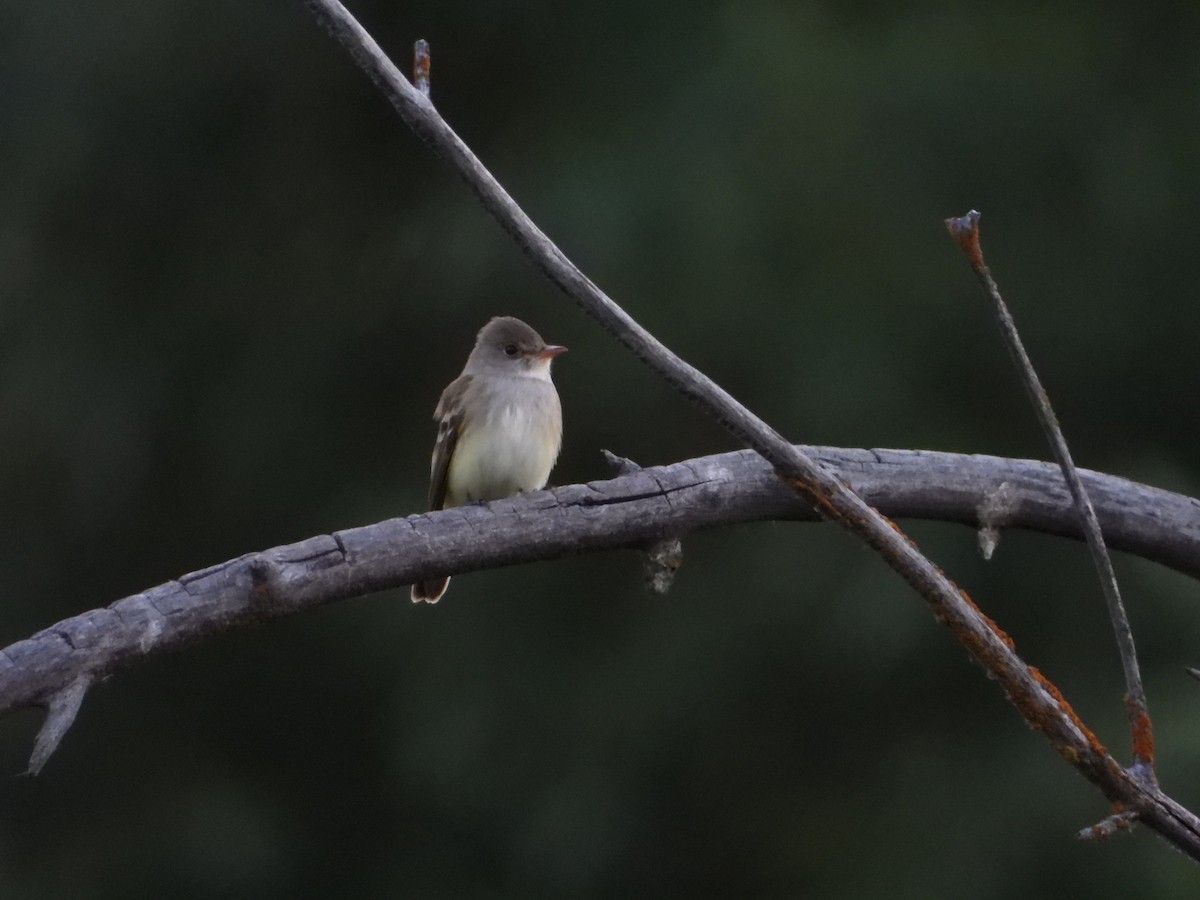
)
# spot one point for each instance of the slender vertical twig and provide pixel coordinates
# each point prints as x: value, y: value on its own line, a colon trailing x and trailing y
x: 965, y: 231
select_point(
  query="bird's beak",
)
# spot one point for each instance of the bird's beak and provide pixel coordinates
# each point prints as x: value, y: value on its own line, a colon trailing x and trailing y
x: 550, y: 352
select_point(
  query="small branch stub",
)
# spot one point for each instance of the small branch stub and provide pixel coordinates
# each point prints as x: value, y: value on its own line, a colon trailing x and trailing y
x: 620, y: 465
x: 421, y: 66
x: 662, y: 559
x: 60, y: 715
x: 1121, y: 820
x: 995, y: 512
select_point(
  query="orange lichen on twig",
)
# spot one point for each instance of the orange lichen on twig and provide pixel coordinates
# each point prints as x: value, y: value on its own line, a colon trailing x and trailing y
x: 1103, y: 830
x: 989, y: 621
x: 1142, y: 732
x: 421, y: 66
x: 821, y: 501
x: 900, y: 531
x: 965, y: 231
x: 1052, y: 689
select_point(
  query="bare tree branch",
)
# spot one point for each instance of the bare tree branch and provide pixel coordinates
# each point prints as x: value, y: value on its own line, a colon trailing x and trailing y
x: 965, y: 231
x: 1038, y: 700
x: 55, y: 667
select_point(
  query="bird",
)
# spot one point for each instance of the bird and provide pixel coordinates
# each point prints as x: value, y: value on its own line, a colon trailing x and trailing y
x: 499, y: 426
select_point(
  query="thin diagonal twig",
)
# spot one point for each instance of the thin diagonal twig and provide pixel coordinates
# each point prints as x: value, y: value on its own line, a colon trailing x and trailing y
x: 1037, y: 699
x: 965, y: 231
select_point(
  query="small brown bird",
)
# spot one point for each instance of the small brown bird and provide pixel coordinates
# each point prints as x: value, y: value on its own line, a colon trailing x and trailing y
x: 499, y: 425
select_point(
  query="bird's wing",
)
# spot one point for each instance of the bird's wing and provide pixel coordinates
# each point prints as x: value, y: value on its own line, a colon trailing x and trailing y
x: 450, y: 426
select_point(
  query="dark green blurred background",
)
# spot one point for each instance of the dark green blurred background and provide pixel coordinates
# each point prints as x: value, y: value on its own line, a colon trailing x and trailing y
x: 232, y: 284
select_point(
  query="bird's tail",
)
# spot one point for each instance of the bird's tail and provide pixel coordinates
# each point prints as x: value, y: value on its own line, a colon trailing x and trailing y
x: 429, y: 591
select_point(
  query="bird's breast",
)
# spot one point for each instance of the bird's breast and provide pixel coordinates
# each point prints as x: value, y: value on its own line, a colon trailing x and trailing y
x: 510, y: 451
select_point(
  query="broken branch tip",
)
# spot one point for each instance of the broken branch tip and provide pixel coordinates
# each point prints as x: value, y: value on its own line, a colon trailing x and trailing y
x: 965, y: 231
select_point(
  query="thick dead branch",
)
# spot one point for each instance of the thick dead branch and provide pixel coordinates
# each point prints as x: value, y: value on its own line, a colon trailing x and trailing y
x: 54, y: 667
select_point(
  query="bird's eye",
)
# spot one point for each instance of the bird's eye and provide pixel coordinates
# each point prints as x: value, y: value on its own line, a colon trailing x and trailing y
x: 510, y: 350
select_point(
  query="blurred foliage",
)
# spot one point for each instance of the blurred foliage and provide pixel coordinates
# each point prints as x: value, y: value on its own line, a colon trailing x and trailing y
x: 232, y: 284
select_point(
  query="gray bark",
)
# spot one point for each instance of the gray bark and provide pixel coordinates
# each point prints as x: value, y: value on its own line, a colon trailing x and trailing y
x: 54, y: 667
